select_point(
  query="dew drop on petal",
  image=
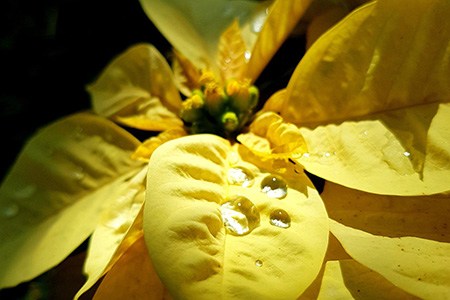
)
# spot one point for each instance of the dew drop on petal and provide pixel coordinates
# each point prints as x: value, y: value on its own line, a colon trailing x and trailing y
x: 239, y: 215
x: 406, y: 154
x: 258, y: 263
x: 10, y: 211
x: 274, y: 187
x: 280, y: 218
x: 25, y: 192
x: 240, y: 176
x: 247, y: 55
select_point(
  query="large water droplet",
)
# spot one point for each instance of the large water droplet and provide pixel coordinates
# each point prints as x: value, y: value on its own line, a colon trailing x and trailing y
x: 274, y: 187
x: 10, y: 211
x: 26, y: 192
x: 240, y: 176
x: 280, y: 218
x: 239, y: 215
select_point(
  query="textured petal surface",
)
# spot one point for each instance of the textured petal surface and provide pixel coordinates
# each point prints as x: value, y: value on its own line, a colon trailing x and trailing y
x: 132, y: 277
x: 188, y: 224
x: 401, y: 152
x: 384, y: 56
x: 393, y: 216
x: 271, y: 137
x: 137, y: 89
x: 421, y: 267
x: 53, y: 197
x: 194, y: 27
x: 347, y: 279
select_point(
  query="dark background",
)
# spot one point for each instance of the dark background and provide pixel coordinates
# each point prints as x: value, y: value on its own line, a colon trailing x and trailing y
x: 49, y: 51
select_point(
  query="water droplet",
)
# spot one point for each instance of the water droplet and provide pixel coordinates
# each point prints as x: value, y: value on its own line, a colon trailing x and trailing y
x: 79, y: 174
x: 10, y: 211
x: 306, y: 155
x: 280, y: 218
x: 240, y: 176
x: 407, y: 154
x: 258, y: 22
x: 274, y: 187
x: 25, y: 192
x: 258, y: 263
x: 239, y: 215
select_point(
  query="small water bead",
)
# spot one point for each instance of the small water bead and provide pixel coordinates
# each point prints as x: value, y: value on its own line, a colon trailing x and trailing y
x: 274, y: 187
x: 10, y: 211
x: 406, y: 154
x: 239, y: 215
x: 258, y: 263
x: 240, y: 176
x: 280, y: 218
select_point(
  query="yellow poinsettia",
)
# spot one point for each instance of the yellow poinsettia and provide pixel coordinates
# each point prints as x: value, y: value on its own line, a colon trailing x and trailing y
x: 241, y: 220
x: 85, y: 175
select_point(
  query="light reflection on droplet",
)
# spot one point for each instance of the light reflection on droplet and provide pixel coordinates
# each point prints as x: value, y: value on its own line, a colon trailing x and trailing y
x: 280, y: 218
x: 79, y: 174
x: 407, y: 154
x: 247, y: 55
x: 10, y: 211
x: 240, y: 176
x: 258, y: 263
x: 239, y: 215
x: 118, y: 222
x: 274, y: 187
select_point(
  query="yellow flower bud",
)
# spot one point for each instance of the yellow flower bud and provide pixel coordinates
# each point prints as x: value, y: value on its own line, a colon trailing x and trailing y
x: 230, y: 121
x: 214, y: 98
x: 243, y: 97
x: 191, y: 109
x: 207, y: 77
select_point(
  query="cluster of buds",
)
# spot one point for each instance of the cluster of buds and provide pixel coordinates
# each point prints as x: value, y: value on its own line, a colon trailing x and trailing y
x: 222, y: 110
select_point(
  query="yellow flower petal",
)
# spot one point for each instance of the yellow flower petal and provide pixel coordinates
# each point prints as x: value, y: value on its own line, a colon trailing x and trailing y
x: 137, y: 88
x: 189, y: 222
x: 145, y: 150
x: 271, y: 137
x: 282, y: 18
x: 421, y: 267
x: 194, y: 27
x: 133, y: 277
x: 387, y: 55
x: 402, y: 152
x: 52, y: 198
x: 347, y: 279
x: 394, y: 216
x: 115, y: 231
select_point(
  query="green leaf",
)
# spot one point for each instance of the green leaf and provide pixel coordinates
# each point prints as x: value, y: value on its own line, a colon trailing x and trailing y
x: 138, y: 89
x: 52, y: 198
x: 189, y: 222
x: 420, y: 267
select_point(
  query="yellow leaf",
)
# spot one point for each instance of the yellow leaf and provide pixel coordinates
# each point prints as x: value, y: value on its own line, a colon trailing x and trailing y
x: 52, y: 198
x: 194, y: 27
x: 282, y: 18
x: 186, y: 74
x: 145, y: 150
x: 133, y: 277
x: 386, y: 55
x: 137, y: 89
x: 401, y: 152
x: 232, y: 50
x: 393, y: 216
x: 347, y: 279
x: 207, y: 223
x: 420, y: 267
x: 269, y: 136
x: 118, y: 227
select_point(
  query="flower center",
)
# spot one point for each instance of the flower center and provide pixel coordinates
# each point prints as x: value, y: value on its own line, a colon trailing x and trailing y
x: 222, y: 110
